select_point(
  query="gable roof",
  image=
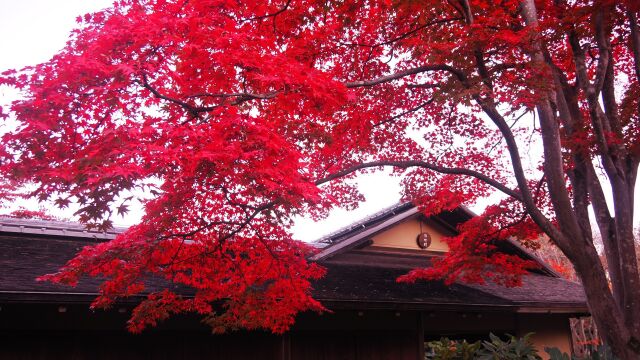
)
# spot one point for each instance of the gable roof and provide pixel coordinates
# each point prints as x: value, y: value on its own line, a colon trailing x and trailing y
x: 359, y: 232
x: 372, y: 285
x: 368, y: 220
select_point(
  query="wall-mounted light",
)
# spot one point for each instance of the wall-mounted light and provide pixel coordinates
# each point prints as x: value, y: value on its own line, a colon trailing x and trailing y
x: 423, y: 240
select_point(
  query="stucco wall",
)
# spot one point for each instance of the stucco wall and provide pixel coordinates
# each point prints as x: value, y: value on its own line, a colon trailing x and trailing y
x: 550, y: 331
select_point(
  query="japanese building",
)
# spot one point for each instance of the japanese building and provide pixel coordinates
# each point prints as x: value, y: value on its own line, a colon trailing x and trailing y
x: 372, y: 316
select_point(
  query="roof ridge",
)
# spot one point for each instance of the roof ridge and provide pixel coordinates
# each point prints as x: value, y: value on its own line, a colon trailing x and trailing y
x: 334, y: 235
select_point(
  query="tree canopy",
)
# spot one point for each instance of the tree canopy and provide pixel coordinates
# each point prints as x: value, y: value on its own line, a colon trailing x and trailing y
x: 235, y: 116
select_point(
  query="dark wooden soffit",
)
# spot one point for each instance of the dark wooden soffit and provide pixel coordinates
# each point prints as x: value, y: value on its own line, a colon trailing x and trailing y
x: 332, y: 304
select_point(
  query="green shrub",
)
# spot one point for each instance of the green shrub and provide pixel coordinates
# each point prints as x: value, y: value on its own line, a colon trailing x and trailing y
x: 495, y: 349
x: 512, y: 349
x: 445, y: 349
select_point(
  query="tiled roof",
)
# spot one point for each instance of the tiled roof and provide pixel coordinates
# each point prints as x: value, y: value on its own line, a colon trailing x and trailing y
x: 25, y: 256
x: 351, y: 282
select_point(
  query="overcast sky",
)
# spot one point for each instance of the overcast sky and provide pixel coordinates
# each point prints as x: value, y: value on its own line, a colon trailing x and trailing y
x: 31, y: 31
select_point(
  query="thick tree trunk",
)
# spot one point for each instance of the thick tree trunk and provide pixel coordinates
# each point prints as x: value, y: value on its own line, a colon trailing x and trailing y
x: 609, y: 319
x: 617, y: 313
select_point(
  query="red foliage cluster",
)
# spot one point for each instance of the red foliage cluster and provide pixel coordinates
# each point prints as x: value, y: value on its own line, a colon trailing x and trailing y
x: 473, y: 255
x: 250, y: 281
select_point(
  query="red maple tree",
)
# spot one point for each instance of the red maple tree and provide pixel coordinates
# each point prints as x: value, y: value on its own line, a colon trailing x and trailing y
x: 238, y: 115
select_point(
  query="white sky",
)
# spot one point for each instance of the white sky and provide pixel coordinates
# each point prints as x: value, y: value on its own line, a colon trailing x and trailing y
x: 31, y: 31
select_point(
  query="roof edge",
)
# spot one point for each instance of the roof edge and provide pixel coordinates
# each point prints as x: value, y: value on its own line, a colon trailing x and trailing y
x: 67, y: 229
x: 362, y: 236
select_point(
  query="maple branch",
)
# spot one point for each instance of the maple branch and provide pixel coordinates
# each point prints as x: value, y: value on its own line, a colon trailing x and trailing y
x: 423, y: 86
x: 525, y: 213
x: 240, y: 226
x: 621, y: 168
x: 598, y: 117
x: 417, y: 70
x: 423, y: 164
x: 503, y: 66
x: 553, y: 162
x: 525, y: 196
x: 193, y: 110
x: 242, y: 97
x: 604, y: 51
x: 582, y: 175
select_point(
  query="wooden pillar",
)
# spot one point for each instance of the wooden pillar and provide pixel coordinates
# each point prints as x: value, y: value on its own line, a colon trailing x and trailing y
x: 420, y: 334
x: 285, y: 346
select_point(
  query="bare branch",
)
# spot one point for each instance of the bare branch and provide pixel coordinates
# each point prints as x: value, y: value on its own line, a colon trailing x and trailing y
x: 417, y: 70
x: 423, y: 164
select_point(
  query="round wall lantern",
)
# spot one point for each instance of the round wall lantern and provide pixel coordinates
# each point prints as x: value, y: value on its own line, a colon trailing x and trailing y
x: 423, y: 240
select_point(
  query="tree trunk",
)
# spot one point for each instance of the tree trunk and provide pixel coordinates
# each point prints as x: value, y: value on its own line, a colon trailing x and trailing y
x: 617, y: 314
x: 609, y: 319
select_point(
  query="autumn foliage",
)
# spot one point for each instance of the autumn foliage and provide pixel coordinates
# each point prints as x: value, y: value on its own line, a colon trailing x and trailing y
x: 235, y: 116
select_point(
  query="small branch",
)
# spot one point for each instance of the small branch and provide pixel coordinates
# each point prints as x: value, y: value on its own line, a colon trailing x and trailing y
x: 635, y: 41
x: 190, y: 108
x: 414, y: 109
x: 405, y: 35
x: 604, y: 51
x: 243, y: 95
x: 424, y: 86
x: 280, y: 11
